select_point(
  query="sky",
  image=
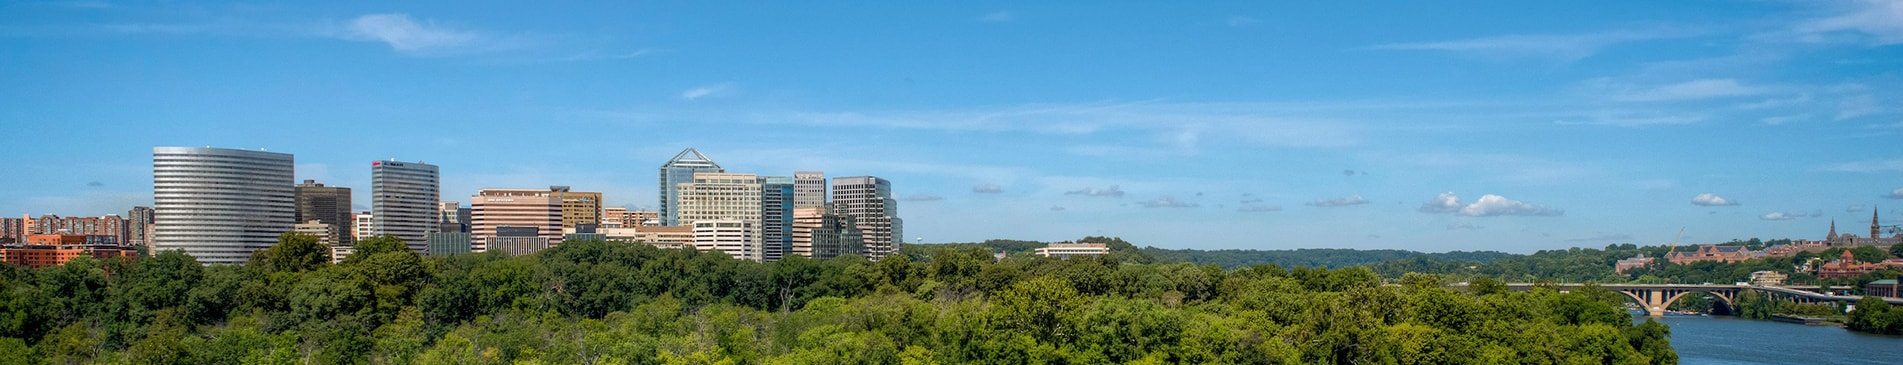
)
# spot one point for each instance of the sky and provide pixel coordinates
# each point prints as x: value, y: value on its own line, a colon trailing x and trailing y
x: 1433, y: 126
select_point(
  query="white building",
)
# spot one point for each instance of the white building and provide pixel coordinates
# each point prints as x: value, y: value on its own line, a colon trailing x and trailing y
x: 868, y: 200
x: 677, y: 171
x: 737, y: 238
x: 362, y: 225
x: 220, y: 205
x: 1071, y: 249
x: 809, y: 189
x: 715, y: 196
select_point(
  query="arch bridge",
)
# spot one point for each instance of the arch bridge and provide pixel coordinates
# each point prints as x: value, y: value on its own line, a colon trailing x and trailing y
x: 1656, y: 297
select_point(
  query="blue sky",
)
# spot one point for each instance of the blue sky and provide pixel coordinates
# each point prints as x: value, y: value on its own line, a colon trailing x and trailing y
x: 1510, y: 126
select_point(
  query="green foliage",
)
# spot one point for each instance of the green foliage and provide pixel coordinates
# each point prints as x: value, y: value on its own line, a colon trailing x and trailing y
x: 294, y: 252
x: 1874, y: 316
x: 608, y: 303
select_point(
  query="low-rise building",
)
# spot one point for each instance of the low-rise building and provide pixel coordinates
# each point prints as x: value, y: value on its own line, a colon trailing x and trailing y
x: 658, y: 236
x: 1793, y: 248
x: 1886, y: 288
x: 1768, y: 278
x: 1633, y: 263
x: 1723, y: 254
x: 737, y: 238
x: 43, y: 250
x: 1065, y: 250
x: 447, y: 243
x: 321, y: 230
x: 1847, y: 266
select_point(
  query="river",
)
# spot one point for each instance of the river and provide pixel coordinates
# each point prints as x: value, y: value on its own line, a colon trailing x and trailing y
x: 1727, y: 340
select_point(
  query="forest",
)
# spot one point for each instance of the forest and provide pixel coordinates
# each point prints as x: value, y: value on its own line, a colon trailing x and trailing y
x: 592, y: 302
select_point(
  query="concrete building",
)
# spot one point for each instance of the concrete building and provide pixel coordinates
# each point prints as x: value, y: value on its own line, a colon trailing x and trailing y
x: 220, y: 205
x: 403, y: 201
x: 363, y: 226
x: 715, y: 196
x: 659, y: 236
x: 340, y: 252
x: 739, y: 239
x: 493, y: 209
x: 1768, y: 278
x: 43, y: 250
x: 809, y: 189
x: 677, y: 171
x: 1886, y: 288
x: 138, y: 227
x: 622, y: 217
x: 517, y: 241
x: 820, y: 234
x: 776, y: 216
x: 109, y: 225
x: 448, y: 243
x: 452, y: 217
x: 325, y: 233
x: 1633, y: 263
x: 1724, y: 254
x: 578, y: 207
x: 328, y: 205
x: 13, y: 230
x: 868, y: 200
x: 1065, y: 250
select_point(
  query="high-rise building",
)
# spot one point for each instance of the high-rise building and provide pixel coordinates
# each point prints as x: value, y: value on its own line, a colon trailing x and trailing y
x: 403, y: 198
x: 868, y: 200
x: 109, y: 226
x: 220, y: 205
x: 325, y: 233
x: 329, y: 205
x: 578, y: 207
x: 448, y: 243
x: 677, y: 171
x: 776, y: 216
x: 363, y: 228
x: 452, y: 217
x: 622, y: 217
x: 138, y: 226
x: 497, y: 211
x: 820, y: 234
x: 13, y: 230
x: 715, y: 196
x: 809, y: 189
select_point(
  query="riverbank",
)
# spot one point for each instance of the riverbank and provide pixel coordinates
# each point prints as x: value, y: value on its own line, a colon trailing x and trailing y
x: 1725, y: 340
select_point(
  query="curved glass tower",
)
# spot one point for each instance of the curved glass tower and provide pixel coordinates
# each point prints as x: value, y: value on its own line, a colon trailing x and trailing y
x: 220, y: 205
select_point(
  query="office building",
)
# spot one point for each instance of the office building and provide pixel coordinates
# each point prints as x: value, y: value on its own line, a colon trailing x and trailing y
x: 820, y: 234
x: 622, y: 217
x: 776, y: 216
x: 677, y: 171
x: 13, y: 230
x: 737, y: 238
x: 809, y: 189
x: 448, y: 243
x: 868, y: 200
x: 517, y: 241
x: 714, y: 196
x: 403, y: 199
x: 452, y: 217
x: 491, y: 210
x: 671, y: 237
x: 220, y: 205
x: 578, y: 207
x: 328, y: 205
x: 138, y: 226
x: 43, y: 250
x: 1065, y: 250
x: 363, y: 228
x: 326, y: 234
x: 110, y: 226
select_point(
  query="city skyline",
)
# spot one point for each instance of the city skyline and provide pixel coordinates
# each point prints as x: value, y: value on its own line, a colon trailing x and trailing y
x: 1592, y: 124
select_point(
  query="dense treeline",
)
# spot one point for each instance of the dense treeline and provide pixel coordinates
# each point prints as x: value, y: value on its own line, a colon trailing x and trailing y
x: 1874, y: 316
x: 1311, y: 257
x: 607, y: 303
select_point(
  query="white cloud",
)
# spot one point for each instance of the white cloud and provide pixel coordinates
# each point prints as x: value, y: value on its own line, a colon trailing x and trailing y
x: 1488, y: 206
x: 1691, y: 90
x: 1895, y: 194
x: 1554, y: 46
x: 1444, y: 203
x: 1113, y: 191
x: 1350, y: 200
x: 707, y: 91
x: 1785, y: 216
x: 1711, y: 200
x: 1856, y: 208
x: 987, y: 188
x: 406, y: 35
x: 1167, y: 202
x: 1055, y: 208
x: 1879, y: 21
x: 1000, y: 16
x: 1464, y: 226
x: 1867, y: 166
x: 1259, y: 208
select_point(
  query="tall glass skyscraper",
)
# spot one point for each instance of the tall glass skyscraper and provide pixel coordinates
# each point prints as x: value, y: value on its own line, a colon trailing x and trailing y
x: 868, y: 200
x: 403, y: 201
x: 677, y: 171
x: 776, y: 216
x: 219, y: 205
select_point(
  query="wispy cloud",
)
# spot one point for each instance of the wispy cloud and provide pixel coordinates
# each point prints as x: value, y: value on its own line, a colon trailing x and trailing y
x: 1351, y: 200
x: 707, y: 91
x: 1711, y: 200
x: 1552, y: 46
x: 1690, y: 90
x: 1867, y: 166
x: 1785, y: 216
x: 407, y: 35
x: 1259, y: 208
x: 1875, y: 22
x: 987, y: 188
x: 1113, y: 192
x: 1895, y: 194
x: 1464, y: 226
x: 1166, y: 202
x: 923, y: 198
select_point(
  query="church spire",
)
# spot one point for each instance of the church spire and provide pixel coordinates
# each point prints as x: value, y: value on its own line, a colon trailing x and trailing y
x: 1832, y: 237
x: 1873, y: 224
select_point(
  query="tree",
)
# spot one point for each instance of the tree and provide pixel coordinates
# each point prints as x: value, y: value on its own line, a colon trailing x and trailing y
x: 294, y: 252
x: 376, y: 245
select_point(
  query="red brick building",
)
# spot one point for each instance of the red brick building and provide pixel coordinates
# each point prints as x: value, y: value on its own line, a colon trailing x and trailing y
x: 42, y: 250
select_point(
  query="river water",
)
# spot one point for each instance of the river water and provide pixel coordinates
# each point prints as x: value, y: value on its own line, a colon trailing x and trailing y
x: 1726, y: 340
